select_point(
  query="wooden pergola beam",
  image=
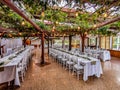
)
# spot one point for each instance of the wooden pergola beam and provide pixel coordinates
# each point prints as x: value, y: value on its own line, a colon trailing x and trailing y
x: 18, y: 11
x: 108, y: 22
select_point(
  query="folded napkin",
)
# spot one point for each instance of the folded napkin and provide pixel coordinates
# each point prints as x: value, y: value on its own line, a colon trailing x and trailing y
x: 93, y: 62
x: 82, y: 63
x: 10, y: 58
x: 19, y: 52
x: 1, y: 63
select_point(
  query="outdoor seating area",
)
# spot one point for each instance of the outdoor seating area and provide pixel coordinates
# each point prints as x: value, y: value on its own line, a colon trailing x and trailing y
x: 59, y: 44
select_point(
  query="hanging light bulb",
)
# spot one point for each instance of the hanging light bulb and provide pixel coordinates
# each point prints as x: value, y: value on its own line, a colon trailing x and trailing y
x: 94, y: 26
x: 76, y: 14
x: 71, y: 26
x: 78, y: 28
x: 53, y: 27
x: 20, y: 34
x: 53, y: 30
x: 9, y: 35
x: 57, y: 22
x: 104, y: 8
x: 43, y: 14
x: 85, y: 33
x: 105, y: 15
x: 23, y: 23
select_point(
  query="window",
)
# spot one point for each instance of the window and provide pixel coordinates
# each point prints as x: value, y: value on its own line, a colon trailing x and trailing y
x: 107, y: 42
x: 116, y: 43
x: 103, y: 42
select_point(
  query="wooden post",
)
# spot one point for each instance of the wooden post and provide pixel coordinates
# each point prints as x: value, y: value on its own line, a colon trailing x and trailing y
x: 96, y: 42
x: 0, y: 46
x: 88, y: 41
x: 24, y: 40
x: 99, y: 41
x: 83, y: 43
x: 63, y: 42
x: 42, y: 44
x: 70, y: 42
x: 48, y: 45
x: 51, y: 43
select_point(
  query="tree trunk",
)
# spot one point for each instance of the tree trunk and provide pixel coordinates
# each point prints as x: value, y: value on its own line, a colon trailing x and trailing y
x: 99, y: 42
x: 51, y: 43
x: 63, y: 42
x: 70, y: 42
x: 83, y: 42
x: 24, y: 40
x: 48, y: 45
x: 96, y: 42
x: 88, y: 42
x: 0, y: 46
x: 42, y: 55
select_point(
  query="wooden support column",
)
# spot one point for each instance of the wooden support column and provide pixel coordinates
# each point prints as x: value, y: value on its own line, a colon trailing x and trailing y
x: 42, y: 44
x: 83, y: 43
x: 99, y: 41
x: 63, y: 42
x: 51, y: 43
x: 96, y: 42
x: 24, y: 40
x: 48, y: 45
x: 0, y: 46
x: 70, y: 42
x: 88, y: 41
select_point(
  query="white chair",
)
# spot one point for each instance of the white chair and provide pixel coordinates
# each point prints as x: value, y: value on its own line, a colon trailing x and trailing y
x: 64, y: 60
x: 21, y: 70
x: 78, y: 68
x: 9, y: 51
x: 69, y: 63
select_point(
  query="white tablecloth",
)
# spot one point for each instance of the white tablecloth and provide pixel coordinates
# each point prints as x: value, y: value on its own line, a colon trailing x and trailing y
x: 91, y: 69
x: 8, y: 74
x: 105, y: 55
x: 10, y: 71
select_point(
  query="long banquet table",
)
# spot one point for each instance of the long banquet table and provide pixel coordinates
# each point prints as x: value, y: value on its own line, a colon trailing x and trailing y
x: 8, y: 69
x: 92, y: 66
x: 104, y: 54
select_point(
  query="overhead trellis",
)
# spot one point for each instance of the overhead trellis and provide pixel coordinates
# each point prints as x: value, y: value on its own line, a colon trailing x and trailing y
x: 72, y: 14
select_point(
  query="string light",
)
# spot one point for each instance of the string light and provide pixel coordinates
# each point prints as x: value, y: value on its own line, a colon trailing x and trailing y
x: 9, y: 35
x: 23, y: 23
x: 94, y: 26
x: 71, y: 26
x: 57, y: 22
x: 53, y: 27
x: 20, y: 33
x: 76, y: 14
x: 78, y: 28
x: 43, y: 14
x: 85, y: 33
x: 105, y: 15
x: 53, y: 30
